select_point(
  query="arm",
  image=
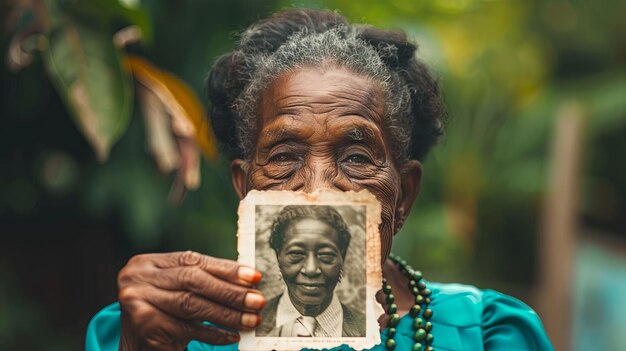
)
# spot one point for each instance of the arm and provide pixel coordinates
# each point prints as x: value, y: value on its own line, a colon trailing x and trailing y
x: 509, y: 324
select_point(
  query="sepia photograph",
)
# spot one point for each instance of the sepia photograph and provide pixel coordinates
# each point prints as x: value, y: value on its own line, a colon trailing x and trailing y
x: 314, y: 254
x: 313, y: 259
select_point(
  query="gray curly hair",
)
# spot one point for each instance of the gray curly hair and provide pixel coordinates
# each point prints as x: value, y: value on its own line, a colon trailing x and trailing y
x: 298, y: 38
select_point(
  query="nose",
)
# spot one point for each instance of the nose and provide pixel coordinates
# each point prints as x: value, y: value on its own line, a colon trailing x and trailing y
x: 322, y: 174
x: 311, y: 267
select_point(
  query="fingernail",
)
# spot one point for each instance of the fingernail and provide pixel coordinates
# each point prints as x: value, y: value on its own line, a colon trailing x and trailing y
x: 250, y: 320
x: 248, y: 274
x: 254, y: 301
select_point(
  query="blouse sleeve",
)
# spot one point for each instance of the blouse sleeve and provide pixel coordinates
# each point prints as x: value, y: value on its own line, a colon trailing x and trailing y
x: 509, y: 324
x: 103, y: 332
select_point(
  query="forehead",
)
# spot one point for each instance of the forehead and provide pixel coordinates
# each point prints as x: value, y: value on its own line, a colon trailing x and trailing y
x: 323, y: 91
x: 304, y: 228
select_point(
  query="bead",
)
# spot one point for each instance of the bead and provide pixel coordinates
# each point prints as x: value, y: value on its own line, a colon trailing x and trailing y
x: 429, y: 338
x: 393, y: 320
x: 419, y: 299
x: 422, y: 336
x: 387, y: 289
x: 419, y: 335
x: 417, y: 275
x: 421, y: 285
x: 415, y: 310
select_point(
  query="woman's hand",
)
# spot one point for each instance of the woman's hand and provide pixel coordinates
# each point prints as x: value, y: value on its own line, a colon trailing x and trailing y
x: 164, y: 299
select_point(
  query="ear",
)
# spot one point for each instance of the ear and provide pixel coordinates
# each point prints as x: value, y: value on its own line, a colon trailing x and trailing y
x: 239, y: 175
x: 410, y: 178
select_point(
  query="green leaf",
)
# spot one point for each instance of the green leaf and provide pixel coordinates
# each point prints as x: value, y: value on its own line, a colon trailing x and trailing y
x: 109, y: 14
x: 87, y: 71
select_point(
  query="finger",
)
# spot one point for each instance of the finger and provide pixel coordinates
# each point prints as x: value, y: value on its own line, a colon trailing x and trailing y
x: 189, y: 306
x: 152, y: 328
x: 165, y: 332
x: 200, y: 282
x: 213, y: 336
x: 225, y: 269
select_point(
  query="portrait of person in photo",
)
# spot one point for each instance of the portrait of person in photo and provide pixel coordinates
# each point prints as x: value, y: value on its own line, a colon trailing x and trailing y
x: 310, y: 244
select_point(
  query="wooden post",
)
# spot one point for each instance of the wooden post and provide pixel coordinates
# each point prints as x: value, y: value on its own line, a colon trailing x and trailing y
x: 557, y: 237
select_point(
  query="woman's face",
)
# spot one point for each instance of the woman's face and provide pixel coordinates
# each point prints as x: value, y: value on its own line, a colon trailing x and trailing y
x: 310, y: 262
x: 326, y: 129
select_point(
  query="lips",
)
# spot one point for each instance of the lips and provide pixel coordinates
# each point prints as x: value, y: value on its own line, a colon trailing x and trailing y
x: 308, y: 289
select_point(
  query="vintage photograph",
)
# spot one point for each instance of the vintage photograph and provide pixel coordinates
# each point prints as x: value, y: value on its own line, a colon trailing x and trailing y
x: 313, y: 258
x: 315, y: 255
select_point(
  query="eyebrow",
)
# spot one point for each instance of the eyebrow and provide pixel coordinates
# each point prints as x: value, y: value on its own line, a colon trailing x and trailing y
x: 353, y: 134
x: 275, y: 136
x: 361, y: 134
x: 365, y: 135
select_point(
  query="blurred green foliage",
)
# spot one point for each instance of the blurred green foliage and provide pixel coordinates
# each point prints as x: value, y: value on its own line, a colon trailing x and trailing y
x: 507, y: 68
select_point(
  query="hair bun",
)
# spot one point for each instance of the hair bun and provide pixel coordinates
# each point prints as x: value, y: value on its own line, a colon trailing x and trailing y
x: 393, y: 46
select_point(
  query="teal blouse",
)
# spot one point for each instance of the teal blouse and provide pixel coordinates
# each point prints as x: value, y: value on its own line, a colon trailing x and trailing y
x: 465, y: 318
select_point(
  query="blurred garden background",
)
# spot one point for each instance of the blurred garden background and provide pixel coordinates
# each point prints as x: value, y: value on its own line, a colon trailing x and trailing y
x: 105, y: 153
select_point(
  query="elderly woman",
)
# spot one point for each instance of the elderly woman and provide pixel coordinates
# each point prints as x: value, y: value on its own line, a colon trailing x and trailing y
x: 308, y: 101
x: 310, y: 243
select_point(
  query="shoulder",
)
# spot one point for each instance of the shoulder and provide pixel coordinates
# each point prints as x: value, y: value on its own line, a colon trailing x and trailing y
x: 353, y: 322
x: 499, y: 321
x: 268, y: 316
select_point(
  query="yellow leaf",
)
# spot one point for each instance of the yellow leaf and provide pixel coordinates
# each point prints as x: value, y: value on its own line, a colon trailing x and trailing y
x: 188, y: 115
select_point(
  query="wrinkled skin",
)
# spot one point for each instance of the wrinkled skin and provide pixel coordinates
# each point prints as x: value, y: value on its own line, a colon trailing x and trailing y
x: 318, y: 129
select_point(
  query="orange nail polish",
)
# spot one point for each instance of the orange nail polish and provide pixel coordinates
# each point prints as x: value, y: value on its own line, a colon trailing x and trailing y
x: 248, y: 274
x: 256, y: 278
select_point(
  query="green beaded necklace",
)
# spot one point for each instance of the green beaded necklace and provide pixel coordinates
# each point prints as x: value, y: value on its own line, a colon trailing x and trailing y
x: 420, y: 312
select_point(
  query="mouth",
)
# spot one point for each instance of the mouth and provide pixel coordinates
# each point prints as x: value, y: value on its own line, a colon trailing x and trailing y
x: 311, y: 288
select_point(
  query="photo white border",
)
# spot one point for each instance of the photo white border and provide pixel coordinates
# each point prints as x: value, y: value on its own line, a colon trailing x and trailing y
x: 246, y: 248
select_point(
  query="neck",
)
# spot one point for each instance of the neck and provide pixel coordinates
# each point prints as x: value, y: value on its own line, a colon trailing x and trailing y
x: 404, y: 297
x: 311, y: 310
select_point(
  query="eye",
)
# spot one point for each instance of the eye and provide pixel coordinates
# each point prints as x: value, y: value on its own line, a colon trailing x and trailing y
x: 358, y: 159
x: 327, y: 257
x: 295, y: 255
x: 284, y: 157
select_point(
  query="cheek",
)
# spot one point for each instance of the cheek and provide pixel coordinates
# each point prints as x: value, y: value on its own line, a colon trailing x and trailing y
x: 332, y: 271
x: 288, y: 270
x: 273, y: 178
x: 385, y: 185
